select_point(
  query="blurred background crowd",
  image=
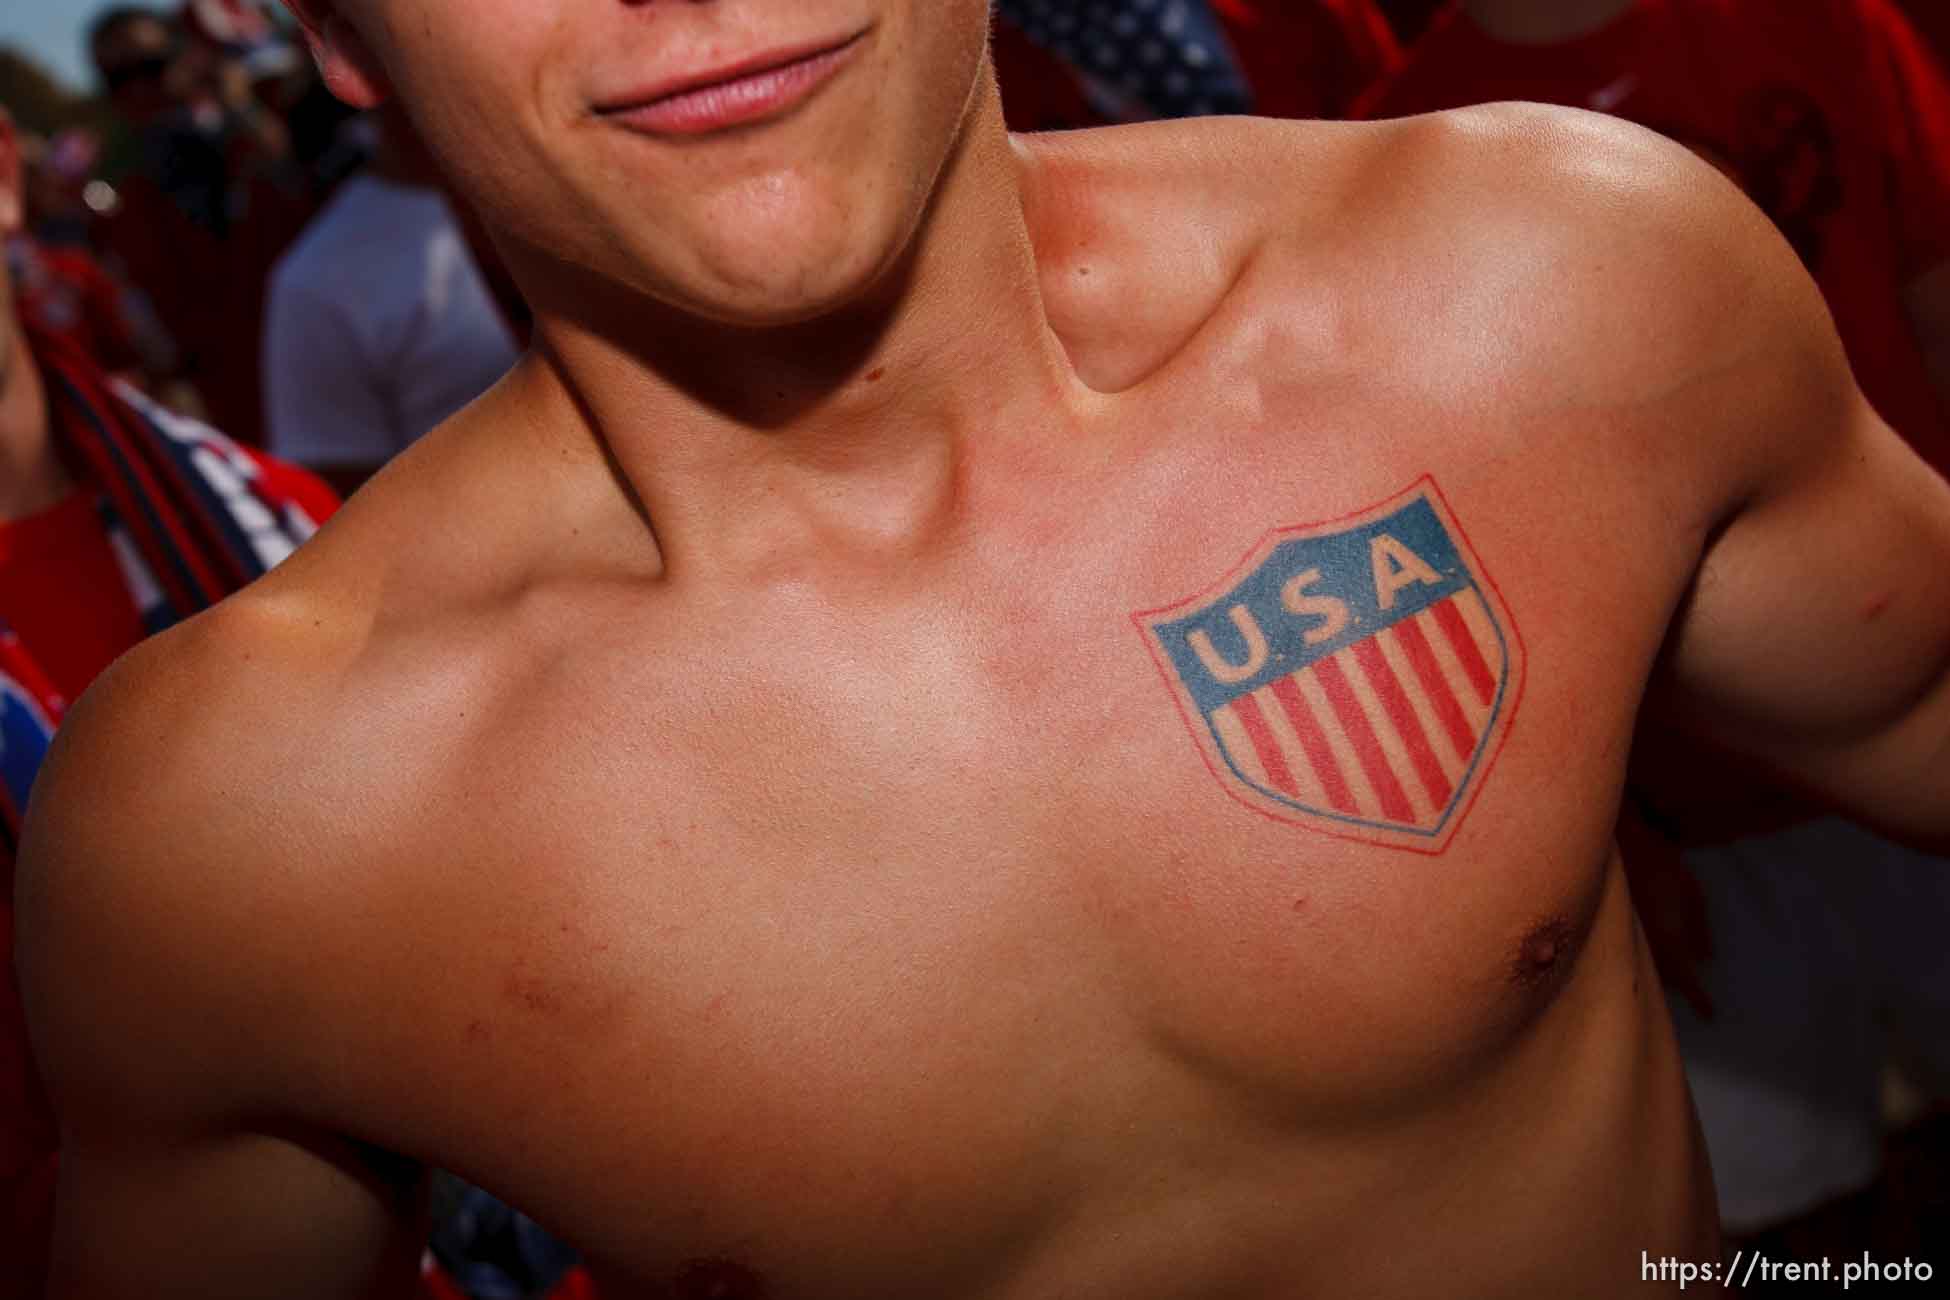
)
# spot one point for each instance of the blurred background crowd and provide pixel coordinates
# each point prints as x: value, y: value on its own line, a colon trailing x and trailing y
x: 207, y: 223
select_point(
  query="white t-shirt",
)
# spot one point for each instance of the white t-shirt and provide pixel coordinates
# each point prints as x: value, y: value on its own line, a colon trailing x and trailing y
x: 378, y: 327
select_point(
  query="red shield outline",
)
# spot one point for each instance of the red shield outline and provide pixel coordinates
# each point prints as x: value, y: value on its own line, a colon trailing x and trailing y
x: 1378, y: 724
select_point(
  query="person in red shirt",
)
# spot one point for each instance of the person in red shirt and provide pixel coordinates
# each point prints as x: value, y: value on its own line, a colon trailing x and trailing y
x: 1060, y: 67
x: 1830, y: 113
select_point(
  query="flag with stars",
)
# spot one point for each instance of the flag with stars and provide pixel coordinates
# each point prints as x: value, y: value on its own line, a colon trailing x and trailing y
x: 1140, y: 58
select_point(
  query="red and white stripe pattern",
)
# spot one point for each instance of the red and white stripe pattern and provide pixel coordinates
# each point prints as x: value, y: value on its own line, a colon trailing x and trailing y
x: 1386, y: 730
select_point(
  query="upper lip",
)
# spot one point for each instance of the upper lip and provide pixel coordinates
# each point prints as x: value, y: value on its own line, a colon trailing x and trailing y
x: 748, y: 66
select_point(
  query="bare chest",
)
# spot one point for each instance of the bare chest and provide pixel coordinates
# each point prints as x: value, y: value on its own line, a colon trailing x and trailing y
x: 1272, y: 820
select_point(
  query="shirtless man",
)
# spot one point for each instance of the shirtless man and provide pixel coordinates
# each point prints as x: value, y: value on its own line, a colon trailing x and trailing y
x: 903, y: 751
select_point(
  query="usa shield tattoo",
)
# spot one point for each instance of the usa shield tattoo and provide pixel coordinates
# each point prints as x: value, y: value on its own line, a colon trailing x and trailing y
x: 1356, y: 676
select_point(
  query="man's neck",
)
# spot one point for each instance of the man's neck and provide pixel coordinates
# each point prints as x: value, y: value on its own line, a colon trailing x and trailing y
x: 32, y: 474
x: 1543, y: 22
x: 854, y: 437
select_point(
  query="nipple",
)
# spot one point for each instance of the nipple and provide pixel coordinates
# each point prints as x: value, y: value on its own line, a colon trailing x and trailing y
x: 1542, y: 952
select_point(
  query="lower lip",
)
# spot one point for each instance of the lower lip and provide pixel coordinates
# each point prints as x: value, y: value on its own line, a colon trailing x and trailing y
x: 733, y: 103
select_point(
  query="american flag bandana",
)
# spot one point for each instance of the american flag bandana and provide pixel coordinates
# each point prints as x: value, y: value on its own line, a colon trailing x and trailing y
x: 1140, y: 58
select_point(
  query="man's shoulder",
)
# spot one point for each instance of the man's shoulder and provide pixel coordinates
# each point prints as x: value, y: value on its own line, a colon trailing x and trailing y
x: 261, y: 711
x: 1523, y: 230
x: 1545, y: 258
x: 232, y: 802
x: 1572, y: 286
x: 170, y: 763
x: 158, y: 848
x: 1515, y: 230
x: 1478, y: 161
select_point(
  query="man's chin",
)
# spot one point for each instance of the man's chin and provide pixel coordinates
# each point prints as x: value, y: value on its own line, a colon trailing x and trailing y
x: 775, y: 315
x: 782, y: 296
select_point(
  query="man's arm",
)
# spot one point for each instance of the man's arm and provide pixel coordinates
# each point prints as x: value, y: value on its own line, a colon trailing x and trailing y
x: 144, y: 1212
x: 1816, y: 637
x: 157, y: 969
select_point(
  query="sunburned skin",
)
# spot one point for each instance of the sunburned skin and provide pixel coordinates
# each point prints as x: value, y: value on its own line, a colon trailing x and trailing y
x: 930, y: 929
x: 735, y: 815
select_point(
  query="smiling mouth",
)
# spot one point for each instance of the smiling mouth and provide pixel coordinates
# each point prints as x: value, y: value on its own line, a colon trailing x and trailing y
x: 736, y: 98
